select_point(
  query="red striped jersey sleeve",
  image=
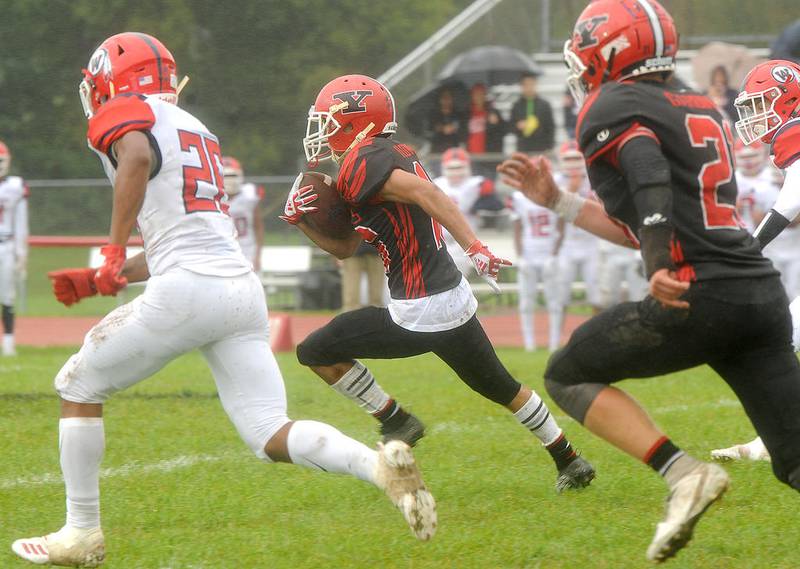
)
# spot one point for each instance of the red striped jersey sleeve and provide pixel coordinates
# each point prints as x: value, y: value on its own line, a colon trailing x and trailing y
x: 119, y: 116
x: 365, y: 170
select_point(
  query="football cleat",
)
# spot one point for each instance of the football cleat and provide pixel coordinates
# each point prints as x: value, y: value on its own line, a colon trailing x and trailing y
x: 397, y: 475
x: 754, y: 450
x: 410, y: 430
x: 577, y: 474
x: 68, y: 547
x: 687, y: 501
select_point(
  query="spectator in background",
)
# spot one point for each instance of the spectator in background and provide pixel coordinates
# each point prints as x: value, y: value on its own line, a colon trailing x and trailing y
x: 447, y: 123
x: 365, y: 261
x: 570, y: 109
x: 719, y: 91
x: 486, y: 127
x: 532, y: 119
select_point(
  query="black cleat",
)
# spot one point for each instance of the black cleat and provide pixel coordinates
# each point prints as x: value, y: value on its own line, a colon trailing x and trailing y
x: 577, y: 474
x: 409, y: 430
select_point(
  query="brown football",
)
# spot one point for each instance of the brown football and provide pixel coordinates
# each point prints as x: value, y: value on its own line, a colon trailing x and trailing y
x: 332, y: 217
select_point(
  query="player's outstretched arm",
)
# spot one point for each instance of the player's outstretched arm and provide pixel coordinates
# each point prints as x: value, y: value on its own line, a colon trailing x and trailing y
x: 785, y: 210
x: 533, y: 177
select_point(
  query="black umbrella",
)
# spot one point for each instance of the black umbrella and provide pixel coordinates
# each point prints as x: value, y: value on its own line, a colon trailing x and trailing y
x: 422, y: 104
x: 490, y: 65
x: 787, y: 45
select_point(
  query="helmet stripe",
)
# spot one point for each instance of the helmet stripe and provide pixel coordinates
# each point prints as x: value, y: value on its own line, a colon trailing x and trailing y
x: 153, y: 47
x: 658, y: 32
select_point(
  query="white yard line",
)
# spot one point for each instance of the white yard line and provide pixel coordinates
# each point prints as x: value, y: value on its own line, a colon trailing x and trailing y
x: 130, y: 469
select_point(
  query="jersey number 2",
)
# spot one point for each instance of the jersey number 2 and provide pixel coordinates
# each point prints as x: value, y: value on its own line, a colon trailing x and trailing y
x: 437, y: 227
x: 703, y: 130
x: 203, y: 186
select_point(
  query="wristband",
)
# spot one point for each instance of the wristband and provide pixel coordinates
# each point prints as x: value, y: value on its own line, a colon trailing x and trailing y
x: 568, y: 205
x: 770, y: 227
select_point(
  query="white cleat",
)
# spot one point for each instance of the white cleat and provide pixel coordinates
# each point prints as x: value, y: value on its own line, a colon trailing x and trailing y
x: 754, y: 450
x: 397, y: 475
x: 68, y: 547
x: 689, y: 499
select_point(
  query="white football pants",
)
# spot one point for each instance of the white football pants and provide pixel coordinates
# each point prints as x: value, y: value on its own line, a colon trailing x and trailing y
x: 529, y: 275
x: 8, y: 268
x: 616, y: 266
x: 569, y: 264
x: 224, y: 317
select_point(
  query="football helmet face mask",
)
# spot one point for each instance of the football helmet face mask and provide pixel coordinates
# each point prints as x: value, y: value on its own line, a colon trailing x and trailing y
x: 456, y: 165
x: 233, y: 175
x: 346, y: 111
x: 130, y: 62
x: 750, y: 160
x: 570, y: 160
x: 5, y: 160
x: 770, y: 96
x: 614, y: 40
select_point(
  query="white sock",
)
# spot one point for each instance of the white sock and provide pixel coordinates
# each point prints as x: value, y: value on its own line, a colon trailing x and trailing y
x: 359, y: 385
x: 536, y: 417
x: 8, y: 344
x: 81, y: 441
x: 322, y: 447
x: 526, y: 320
x: 556, y: 317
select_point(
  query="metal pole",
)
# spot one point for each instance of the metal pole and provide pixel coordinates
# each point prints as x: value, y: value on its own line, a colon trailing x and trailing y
x: 544, y: 43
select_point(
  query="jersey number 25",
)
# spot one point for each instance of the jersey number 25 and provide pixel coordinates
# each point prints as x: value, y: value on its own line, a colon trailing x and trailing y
x: 203, y: 186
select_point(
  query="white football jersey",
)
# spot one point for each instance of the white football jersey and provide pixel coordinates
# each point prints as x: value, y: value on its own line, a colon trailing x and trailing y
x: 785, y: 245
x: 242, y: 210
x: 577, y: 241
x: 539, y: 227
x: 748, y: 197
x: 464, y: 195
x: 184, y: 219
x: 14, y: 211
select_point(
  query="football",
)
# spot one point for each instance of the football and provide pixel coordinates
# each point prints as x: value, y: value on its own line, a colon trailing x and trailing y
x: 333, y: 214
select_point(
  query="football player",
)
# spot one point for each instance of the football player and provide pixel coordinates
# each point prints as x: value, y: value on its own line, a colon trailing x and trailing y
x: 166, y: 169
x: 753, y: 177
x: 245, y: 209
x: 659, y: 158
x: 577, y: 249
x: 769, y: 113
x: 13, y: 243
x: 458, y: 183
x: 397, y: 209
x: 536, y: 233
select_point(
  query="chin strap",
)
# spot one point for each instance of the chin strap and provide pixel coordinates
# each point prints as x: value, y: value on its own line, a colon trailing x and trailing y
x: 182, y: 84
x: 359, y: 137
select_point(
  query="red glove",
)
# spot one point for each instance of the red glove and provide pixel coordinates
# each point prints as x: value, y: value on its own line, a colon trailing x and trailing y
x: 108, y: 280
x: 297, y: 202
x: 486, y: 263
x: 71, y: 285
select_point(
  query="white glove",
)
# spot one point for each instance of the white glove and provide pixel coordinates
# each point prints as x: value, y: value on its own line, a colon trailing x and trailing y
x: 486, y: 263
x: 297, y: 202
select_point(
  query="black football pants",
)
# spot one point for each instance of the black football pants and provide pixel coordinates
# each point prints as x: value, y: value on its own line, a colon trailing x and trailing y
x: 741, y: 328
x: 370, y: 333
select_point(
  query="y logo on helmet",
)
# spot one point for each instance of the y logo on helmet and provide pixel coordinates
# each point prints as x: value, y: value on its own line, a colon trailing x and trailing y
x: 354, y: 100
x: 586, y: 29
x: 783, y: 74
x: 99, y: 62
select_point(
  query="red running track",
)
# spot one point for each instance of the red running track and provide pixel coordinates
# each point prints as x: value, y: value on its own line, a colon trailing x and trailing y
x: 503, y: 329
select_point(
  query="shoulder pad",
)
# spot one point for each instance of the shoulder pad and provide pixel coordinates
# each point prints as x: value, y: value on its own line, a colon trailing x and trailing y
x: 365, y: 169
x: 786, y: 145
x: 605, y: 116
x: 121, y: 115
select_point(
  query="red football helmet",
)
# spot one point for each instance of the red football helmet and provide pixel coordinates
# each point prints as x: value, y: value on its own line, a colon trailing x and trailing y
x: 750, y: 160
x: 347, y: 110
x: 5, y: 160
x: 128, y: 63
x: 233, y: 174
x: 770, y: 96
x: 615, y: 40
x: 571, y: 160
x: 456, y: 165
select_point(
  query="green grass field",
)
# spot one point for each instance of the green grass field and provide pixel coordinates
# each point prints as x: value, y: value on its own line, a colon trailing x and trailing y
x: 181, y: 491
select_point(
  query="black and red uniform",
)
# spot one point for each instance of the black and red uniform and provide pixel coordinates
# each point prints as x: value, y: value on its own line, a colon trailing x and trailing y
x: 407, y: 239
x: 738, y: 321
x: 418, y: 266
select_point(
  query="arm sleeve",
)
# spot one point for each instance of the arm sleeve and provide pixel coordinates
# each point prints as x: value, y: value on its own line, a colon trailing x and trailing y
x: 21, y: 226
x: 365, y: 171
x: 121, y: 115
x: 785, y: 209
x: 647, y: 172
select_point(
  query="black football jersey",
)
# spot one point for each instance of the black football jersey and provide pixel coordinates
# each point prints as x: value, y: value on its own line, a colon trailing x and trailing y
x: 710, y: 241
x: 408, y: 240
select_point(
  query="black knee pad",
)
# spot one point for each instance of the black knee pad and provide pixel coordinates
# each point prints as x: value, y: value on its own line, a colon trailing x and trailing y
x: 566, y: 385
x: 307, y: 353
